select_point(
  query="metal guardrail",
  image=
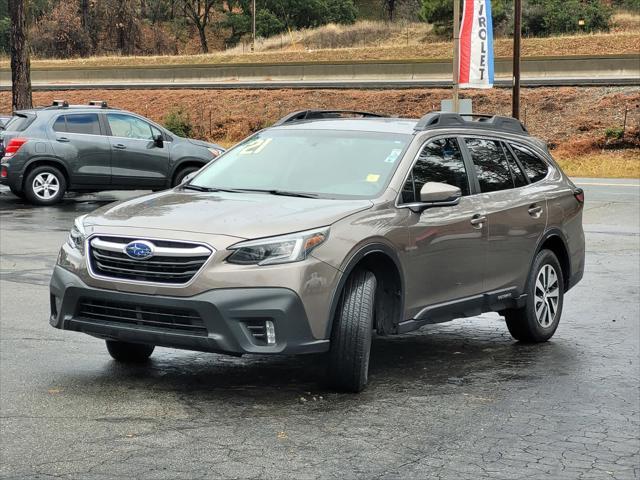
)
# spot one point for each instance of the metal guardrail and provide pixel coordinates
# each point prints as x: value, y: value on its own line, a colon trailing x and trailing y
x: 536, y: 71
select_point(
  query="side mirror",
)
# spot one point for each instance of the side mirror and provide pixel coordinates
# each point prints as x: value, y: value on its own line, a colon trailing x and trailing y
x: 158, y: 140
x: 436, y: 194
x: 187, y: 178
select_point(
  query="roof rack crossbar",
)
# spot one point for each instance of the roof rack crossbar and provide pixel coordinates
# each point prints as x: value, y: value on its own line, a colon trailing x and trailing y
x: 318, y: 114
x: 60, y: 103
x: 471, y: 120
x: 98, y: 103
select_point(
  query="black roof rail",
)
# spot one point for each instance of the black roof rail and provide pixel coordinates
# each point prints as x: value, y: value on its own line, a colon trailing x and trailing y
x: 98, y: 103
x: 471, y: 120
x: 318, y: 114
x: 60, y: 103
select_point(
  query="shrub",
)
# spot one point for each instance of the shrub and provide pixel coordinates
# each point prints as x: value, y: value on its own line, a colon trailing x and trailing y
x: 539, y: 17
x: 614, y: 133
x: 177, y: 121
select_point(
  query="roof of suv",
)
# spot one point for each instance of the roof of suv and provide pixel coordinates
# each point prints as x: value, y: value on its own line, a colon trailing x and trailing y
x: 373, y: 122
x: 386, y: 125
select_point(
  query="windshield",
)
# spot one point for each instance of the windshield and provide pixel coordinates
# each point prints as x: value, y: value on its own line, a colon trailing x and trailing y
x: 323, y: 163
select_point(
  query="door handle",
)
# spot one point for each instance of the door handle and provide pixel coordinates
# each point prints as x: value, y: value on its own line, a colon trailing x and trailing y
x: 62, y: 139
x: 535, y: 210
x: 478, y: 220
x: 120, y: 146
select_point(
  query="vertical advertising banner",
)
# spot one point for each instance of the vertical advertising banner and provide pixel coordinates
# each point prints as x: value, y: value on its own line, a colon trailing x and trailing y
x: 476, y: 45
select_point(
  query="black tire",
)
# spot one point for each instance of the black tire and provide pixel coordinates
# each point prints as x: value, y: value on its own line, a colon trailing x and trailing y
x: 17, y: 193
x: 352, y: 332
x: 57, y: 179
x: 523, y: 323
x: 129, y: 352
x: 183, y: 172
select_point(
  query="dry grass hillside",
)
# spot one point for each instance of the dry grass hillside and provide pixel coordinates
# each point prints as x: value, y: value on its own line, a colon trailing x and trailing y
x: 377, y: 40
x: 573, y: 120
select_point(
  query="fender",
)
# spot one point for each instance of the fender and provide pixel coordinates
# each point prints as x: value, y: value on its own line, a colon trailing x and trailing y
x: 552, y: 232
x: 355, y: 258
x: 179, y: 163
x: 52, y: 160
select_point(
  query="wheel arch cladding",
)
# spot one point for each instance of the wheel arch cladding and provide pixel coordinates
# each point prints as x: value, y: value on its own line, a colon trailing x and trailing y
x: 383, y: 262
x: 44, y: 162
x: 556, y: 243
x: 185, y: 164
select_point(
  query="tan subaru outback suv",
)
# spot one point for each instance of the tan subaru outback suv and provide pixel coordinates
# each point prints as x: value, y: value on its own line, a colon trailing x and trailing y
x: 313, y: 234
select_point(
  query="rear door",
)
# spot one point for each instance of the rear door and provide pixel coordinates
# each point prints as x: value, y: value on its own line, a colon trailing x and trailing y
x: 516, y: 214
x: 80, y: 142
x: 136, y: 160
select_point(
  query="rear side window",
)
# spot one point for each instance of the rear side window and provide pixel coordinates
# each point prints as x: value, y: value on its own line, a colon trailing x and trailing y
x: 518, y: 176
x: 535, y: 168
x: 490, y: 164
x: 440, y: 161
x: 60, y: 125
x: 82, y: 123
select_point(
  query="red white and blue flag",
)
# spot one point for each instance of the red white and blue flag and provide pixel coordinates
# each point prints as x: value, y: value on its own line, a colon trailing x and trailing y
x: 476, y: 45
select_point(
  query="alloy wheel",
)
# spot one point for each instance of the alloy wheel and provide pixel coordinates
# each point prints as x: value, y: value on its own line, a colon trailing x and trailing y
x: 546, y: 295
x: 46, y: 185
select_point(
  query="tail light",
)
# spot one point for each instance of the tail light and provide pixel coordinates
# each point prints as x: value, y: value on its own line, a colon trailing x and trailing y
x: 13, y: 146
x: 579, y: 194
x: 3, y: 172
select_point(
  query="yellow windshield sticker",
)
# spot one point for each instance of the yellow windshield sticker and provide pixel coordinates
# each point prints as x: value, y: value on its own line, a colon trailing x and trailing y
x: 372, y: 177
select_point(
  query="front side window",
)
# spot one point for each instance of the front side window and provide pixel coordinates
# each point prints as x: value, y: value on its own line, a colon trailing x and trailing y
x: 127, y: 126
x: 535, y: 167
x: 440, y: 161
x: 323, y: 163
x: 81, y: 123
x: 490, y: 164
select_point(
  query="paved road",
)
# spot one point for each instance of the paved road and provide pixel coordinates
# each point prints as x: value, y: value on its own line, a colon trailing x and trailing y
x: 457, y: 400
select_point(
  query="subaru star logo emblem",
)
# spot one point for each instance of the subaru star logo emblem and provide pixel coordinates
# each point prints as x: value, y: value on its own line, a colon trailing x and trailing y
x: 139, y: 250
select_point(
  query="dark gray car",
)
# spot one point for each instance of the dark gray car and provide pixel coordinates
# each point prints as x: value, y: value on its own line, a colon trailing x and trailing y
x: 311, y: 235
x: 48, y: 151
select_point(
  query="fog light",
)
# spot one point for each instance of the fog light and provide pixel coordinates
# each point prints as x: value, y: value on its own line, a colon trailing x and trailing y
x: 3, y: 172
x: 271, y: 332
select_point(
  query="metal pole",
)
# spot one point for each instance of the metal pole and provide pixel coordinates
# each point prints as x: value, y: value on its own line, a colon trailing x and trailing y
x: 456, y: 56
x: 253, y: 30
x: 517, y: 34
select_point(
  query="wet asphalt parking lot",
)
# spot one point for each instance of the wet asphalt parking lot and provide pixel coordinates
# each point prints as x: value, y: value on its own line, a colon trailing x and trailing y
x: 456, y: 400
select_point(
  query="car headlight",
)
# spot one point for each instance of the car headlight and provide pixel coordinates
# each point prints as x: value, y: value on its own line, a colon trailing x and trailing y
x: 283, y: 249
x: 77, y: 235
x: 216, y: 152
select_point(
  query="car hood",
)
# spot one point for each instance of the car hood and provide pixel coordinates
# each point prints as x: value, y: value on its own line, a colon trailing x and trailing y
x: 241, y: 215
x: 200, y: 143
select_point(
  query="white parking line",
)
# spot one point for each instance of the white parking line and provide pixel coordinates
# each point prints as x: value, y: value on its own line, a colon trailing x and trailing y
x: 609, y: 184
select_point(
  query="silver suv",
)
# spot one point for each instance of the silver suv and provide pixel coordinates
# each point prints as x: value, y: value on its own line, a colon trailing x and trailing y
x: 313, y: 234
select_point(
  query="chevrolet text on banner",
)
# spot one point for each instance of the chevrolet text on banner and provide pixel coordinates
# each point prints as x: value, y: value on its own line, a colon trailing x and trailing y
x: 476, y: 45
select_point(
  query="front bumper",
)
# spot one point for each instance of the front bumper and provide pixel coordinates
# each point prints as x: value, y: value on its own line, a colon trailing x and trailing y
x: 224, y: 317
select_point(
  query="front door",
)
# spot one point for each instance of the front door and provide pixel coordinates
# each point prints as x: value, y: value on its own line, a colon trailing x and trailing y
x: 81, y: 144
x: 516, y: 215
x: 445, y: 271
x: 136, y: 160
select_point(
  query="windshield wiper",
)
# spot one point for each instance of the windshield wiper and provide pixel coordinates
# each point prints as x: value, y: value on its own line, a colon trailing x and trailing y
x: 197, y: 188
x: 285, y: 193
x: 278, y: 192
